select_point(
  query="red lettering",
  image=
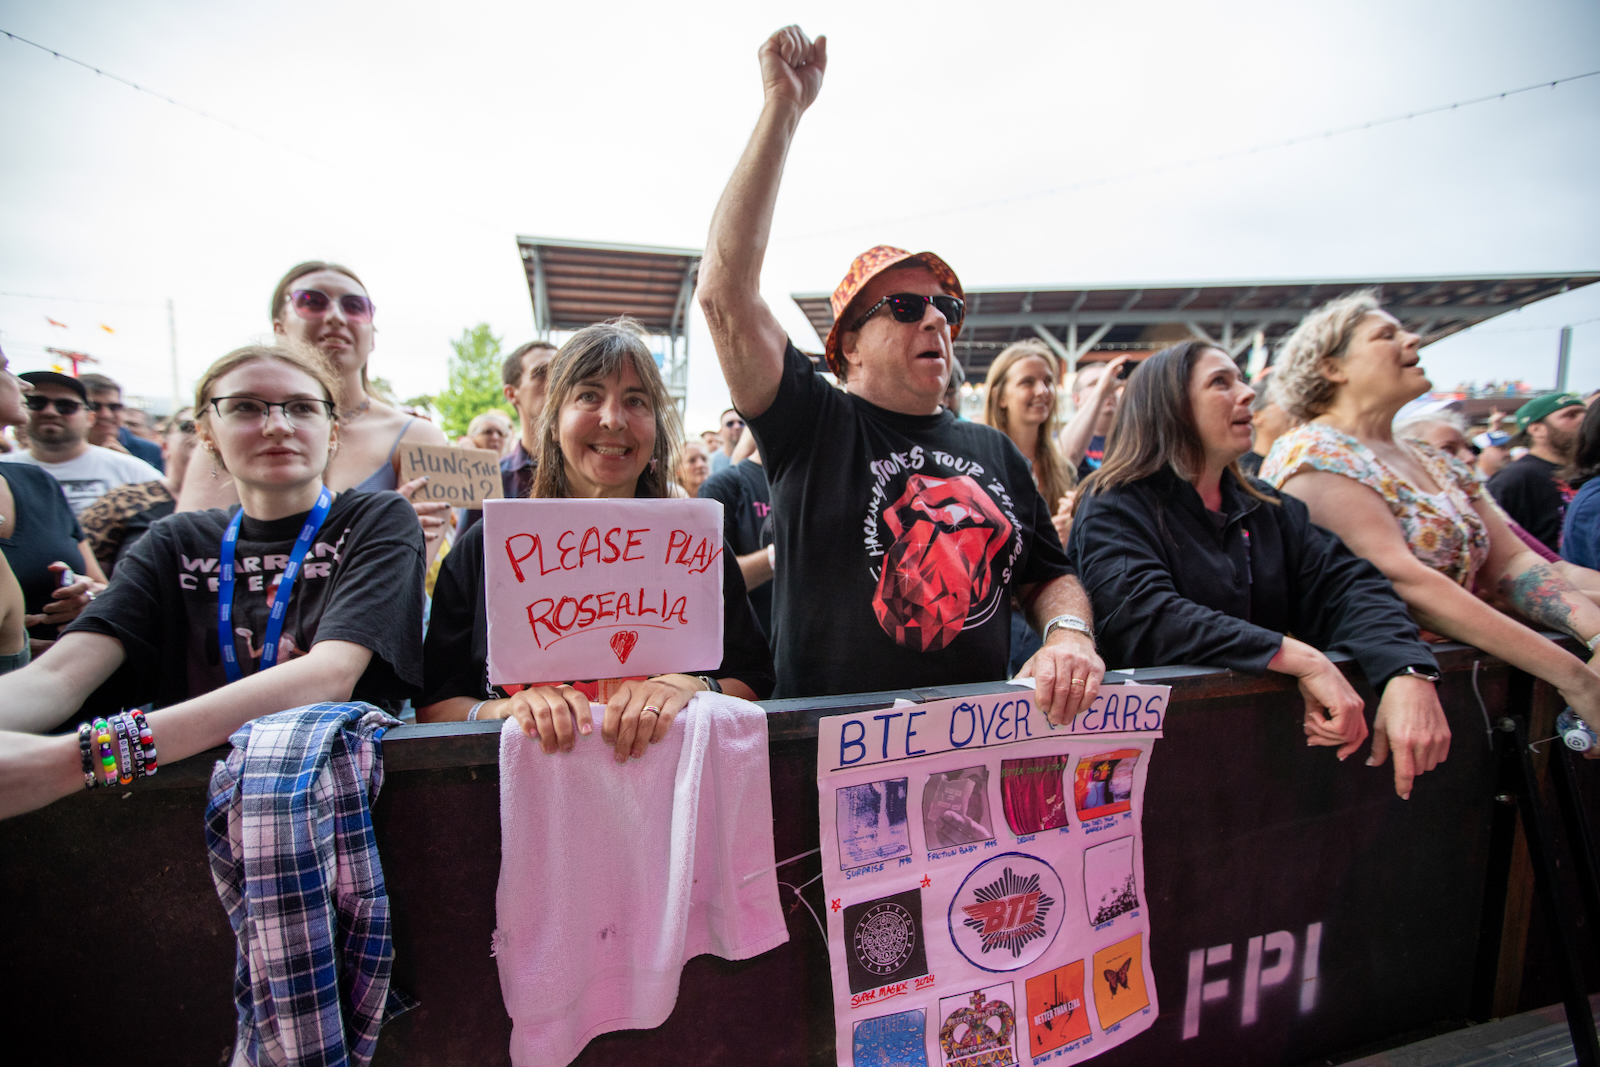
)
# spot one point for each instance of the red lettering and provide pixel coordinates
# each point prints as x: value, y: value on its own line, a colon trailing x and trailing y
x: 582, y: 610
x: 604, y: 600
x: 651, y: 611
x: 544, y: 617
x: 516, y: 560
x: 616, y: 553
x: 672, y: 542
x: 633, y: 542
x: 624, y: 606
x: 992, y: 912
x: 564, y: 602
x: 583, y: 546
x: 566, y: 550
x: 678, y: 608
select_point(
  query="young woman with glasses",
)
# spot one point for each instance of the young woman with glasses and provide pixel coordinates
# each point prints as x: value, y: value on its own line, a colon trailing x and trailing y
x: 609, y: 431
x: 193, y: 621
x: 325, y: 306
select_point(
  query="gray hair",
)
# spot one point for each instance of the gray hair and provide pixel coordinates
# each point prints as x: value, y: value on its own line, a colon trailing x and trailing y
x: 1299, y: 385
x: 1413, y: 427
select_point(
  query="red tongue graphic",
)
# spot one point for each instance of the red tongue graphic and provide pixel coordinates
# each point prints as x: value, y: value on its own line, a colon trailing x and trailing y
x: 622, y: 643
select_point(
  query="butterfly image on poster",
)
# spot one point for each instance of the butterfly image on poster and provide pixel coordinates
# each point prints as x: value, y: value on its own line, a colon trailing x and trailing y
x: 1119, y: 988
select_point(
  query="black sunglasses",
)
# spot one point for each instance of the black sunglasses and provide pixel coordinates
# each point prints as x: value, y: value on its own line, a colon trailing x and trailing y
x: 62, y: 406
x: 908, y: 307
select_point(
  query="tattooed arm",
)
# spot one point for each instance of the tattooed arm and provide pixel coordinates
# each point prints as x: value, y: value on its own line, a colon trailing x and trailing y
x: 1362, y: 520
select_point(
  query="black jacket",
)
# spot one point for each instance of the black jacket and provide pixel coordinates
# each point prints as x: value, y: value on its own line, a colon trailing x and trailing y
x: 1174, y: 583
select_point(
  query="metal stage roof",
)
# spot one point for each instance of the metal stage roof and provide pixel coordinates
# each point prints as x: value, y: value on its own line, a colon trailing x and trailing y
x: 576, y: 283
x: 1078, y: 320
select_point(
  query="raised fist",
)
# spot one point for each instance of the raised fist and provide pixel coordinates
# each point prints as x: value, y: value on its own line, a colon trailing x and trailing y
x: 792, y: 66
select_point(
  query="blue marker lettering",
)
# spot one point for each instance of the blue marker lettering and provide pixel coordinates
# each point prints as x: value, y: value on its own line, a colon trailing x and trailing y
x: 911, y: 732
x: 972, y: 725
x: 846, y: 742
x: 885, y: 719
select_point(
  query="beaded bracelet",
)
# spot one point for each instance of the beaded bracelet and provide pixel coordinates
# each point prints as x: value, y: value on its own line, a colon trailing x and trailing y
x: 135, y: 749
x: 147, y: 740
x: 124, y: 758
x: 86, y: 748
x: 108, y: 761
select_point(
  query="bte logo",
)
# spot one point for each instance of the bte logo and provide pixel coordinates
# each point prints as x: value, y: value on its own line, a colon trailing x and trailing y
x: 1281, y: 947
x: 1007, y: 912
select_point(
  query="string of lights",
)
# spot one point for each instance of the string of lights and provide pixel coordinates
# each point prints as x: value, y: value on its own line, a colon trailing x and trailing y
x: 1181, y: 165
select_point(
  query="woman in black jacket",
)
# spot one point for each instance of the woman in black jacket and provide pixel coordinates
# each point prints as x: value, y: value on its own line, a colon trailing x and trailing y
x: 1188, y: 561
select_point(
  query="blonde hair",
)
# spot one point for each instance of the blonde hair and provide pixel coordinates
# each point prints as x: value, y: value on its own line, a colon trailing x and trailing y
x: 1299, y: 385
x: 595, y: 353
x: 1051, y: 472
x: 308, y: 361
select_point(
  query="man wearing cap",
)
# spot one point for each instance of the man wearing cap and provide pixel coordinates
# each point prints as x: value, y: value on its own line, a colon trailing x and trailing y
x: 901, y: 532
x: 1530, y: 489
x: 60, y: 415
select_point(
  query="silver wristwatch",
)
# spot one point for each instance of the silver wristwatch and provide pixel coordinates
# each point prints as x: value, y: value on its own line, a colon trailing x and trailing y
x: 1067, y: 622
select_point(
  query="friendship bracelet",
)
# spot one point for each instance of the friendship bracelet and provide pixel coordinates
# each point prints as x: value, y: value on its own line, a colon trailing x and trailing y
x: 108, y: 762
x: 86, y: 748
x: 134, y: 747
x: 1593, y: 641
x: 472, y: 716
x: 124, y: 757
x: 147, y: 739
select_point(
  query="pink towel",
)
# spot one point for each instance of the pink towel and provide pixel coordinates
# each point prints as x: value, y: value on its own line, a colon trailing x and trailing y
x: 611, y: 876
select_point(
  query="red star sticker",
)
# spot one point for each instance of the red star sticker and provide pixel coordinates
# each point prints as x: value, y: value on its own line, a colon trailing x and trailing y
x: 926, y: 881
x: 835, y: 905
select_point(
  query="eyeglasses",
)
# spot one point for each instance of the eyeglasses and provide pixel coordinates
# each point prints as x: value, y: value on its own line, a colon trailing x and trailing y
x: 909, y: 307
x: 115, y: 409
x: 314, y: 303
x: 63, y: 406
x: 250, y: 411
x: 731, y: 423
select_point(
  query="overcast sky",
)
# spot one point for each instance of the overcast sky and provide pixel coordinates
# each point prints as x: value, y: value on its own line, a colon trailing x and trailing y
x: 414, y: 142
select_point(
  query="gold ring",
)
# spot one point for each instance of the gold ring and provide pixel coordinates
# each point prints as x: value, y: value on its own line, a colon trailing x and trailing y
x: 1079, y: 682
x: 652, y: 708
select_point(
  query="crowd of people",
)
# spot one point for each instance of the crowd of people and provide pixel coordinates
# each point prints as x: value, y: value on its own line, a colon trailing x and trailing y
x: 1137, y: 510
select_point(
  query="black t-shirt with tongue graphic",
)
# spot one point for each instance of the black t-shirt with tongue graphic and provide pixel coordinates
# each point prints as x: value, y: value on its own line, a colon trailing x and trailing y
x: 900, y: 540
x: 361, y: 582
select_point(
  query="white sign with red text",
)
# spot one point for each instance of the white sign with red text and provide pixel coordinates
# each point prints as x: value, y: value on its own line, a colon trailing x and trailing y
x: 984, y: 879
x: 582, y: 589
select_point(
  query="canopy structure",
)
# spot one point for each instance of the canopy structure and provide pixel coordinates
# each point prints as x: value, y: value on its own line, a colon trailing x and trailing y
x: 1078, y: 321
x: 577, y: 283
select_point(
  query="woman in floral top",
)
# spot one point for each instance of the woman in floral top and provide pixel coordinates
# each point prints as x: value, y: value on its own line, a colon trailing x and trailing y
x: 1416, y: 513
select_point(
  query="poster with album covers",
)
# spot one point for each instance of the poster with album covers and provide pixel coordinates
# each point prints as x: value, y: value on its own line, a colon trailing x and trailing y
x: 984, y: 876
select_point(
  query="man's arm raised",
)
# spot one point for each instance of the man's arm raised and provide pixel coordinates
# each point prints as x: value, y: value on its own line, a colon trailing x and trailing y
x: 749, y: 339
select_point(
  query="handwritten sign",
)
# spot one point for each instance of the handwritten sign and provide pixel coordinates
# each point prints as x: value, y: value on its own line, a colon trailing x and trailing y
x: 581, y: 589
x: 463, y: 477
x: 984, y: 878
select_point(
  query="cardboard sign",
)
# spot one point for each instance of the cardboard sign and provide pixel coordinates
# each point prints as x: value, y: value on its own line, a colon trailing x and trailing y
x: 984, y: 874
x: 462, y: 477
x: 581, y: 589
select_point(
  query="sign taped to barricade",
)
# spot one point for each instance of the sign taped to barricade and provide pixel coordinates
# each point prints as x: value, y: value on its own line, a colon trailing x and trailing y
x: 461, y: 477
x: 581, y: 589
x: 984, y: 879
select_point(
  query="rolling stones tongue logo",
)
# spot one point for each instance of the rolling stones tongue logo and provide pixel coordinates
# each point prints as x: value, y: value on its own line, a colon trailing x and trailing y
x: 947, y: 532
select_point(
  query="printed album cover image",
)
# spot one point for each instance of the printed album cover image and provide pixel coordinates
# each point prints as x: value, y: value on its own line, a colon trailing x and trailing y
x: 1056, y: 1013
x: 978, y: 1029
x: 1034, y: 793
x: 891, y: 1041
x: 955, y: 808
x: 884, y: 941
x: 1108, y: 884
x: 872, y: 822
x: 1118, y: 978
x: 1103, y: 784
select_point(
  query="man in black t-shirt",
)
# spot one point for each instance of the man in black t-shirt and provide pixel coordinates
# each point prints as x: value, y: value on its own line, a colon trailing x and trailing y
x: 1530, y: 489
x: 902, y: 533
x: 747, y: 528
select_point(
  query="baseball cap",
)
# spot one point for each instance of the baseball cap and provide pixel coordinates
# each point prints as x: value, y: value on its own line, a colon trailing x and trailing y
x: 1549, y: 404
x: 1492, y: 439
x: 50, y: 377
x: 863, y: 269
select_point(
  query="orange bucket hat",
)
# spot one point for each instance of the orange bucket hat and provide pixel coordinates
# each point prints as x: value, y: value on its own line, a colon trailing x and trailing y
x: 863, y: 269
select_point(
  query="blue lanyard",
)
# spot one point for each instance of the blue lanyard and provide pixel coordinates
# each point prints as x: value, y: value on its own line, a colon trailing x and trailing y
x: 280, y: 602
